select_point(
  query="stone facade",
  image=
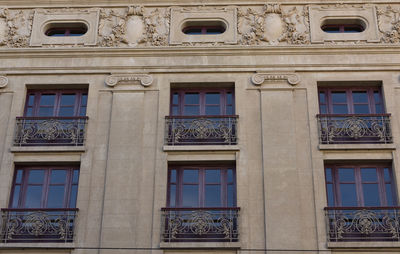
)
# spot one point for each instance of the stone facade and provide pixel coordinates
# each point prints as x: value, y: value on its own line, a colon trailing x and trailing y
x: 274, y: 56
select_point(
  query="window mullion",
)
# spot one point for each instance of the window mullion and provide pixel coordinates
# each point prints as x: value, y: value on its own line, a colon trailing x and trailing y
x: 359, y: 189
x: 350, y: 103
x: 201, y: 183
x: 381, y: 186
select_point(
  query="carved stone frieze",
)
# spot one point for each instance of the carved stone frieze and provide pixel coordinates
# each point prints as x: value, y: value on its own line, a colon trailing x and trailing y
x: 273, y: 25
x: 3, y: 81
x: 18, y: 28
x: 259, y: 78
x: 389, y: 24
x: 115, y: 79
x: 157, y: 27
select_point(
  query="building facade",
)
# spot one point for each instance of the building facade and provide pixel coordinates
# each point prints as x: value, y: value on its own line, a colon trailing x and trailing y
x: 184, y: 127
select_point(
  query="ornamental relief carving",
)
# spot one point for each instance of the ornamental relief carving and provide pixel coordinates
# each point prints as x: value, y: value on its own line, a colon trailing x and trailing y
x: 389, y: 24
x: 273, y: 25
x: 15, y: 27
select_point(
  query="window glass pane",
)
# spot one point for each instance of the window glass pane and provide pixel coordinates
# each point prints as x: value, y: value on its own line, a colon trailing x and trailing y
x: 322, y: 109
x: 329, y: 190
x: 379, y: 109
x: 190, y: 176
x: 75, y: 177
x: 360, y: 97
x: 191, y: 110
x: 47, y: 99
x: 377, y: 96
x: 213, y: 176
x: 346, y: 175
x: 231, y: 192
x: 15, y: 200
x: 55, y: 196
x: 66, y: 111
x: 36, y: 176
x: 175, y: 111
x: 340, y: 109
x: 29, y: 112
x: 58, y: 176
x: 339, y: 97
x: 389, y: 196
x: 230, y: 176
x: 175, y: 98
x: 348, y: 194
x: 173, y: 176
x: 213, y: 110
x: 190, y: 196
x: 328, y: 174
x: 212, y: 196
x: 18, y: 177
x: 68, y: 99
x: 46, y: 111
x: 82, y: 111
x: 387, y: 175
x: 369, y: 175
x: 84, y: 100
x: 322, y: 97
x: 361, y: 109
x: 229, y: 110
x: 33, y: 197
x: 192, y: 98
x: 31, y: 100
x: 172, y: 195
x: 213, y: 98
x: 73, y: 195
x: 229, y: 98
x: 371, y: 195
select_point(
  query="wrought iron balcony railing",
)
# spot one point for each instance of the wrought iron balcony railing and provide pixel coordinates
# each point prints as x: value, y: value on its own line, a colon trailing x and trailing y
x: 48, y: 131
x: 354, y: 128
x: 38, y: 225
x: 200, y: 224
x: 363, y: 223
x: 197, y: 130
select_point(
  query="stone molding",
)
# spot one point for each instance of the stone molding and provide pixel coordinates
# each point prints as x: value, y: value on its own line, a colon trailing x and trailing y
x: 259, y: 78
x: 3, y: 81
x: 114, y: 79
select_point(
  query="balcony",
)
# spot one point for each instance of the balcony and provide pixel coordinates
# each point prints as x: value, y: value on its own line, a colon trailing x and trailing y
x: 50, y: 131
x: 200, y: 224
x: 38, y: 225
x: 354, y: 128
x: 347, y: 224
x: 201, y: 130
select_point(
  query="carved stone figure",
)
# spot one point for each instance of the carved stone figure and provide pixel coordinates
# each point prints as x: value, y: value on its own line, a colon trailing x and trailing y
x: 274, y: 27
x: 389, y: 24
x: 112, y: 27
x: 19, y: 24
x: 250, y: 27
x: 157, y: 27
x: 297, y: 25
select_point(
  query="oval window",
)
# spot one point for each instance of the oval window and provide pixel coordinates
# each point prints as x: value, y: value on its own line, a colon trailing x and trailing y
x: 212, y: 27
x: 343, y: 26
x: 66, y: 29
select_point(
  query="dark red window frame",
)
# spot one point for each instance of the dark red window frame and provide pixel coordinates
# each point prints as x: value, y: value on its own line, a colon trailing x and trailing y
x: 336, y: 184
x: 21, y: 185
x: 34, y: 101
x: 178, y: 101
x: 374, y: 99
x: 224, y: 184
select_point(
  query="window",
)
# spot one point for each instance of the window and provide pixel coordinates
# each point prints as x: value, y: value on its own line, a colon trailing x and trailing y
x: 202, y: 102
x: 190, y: 186
x: 351, y: 100
x: 360, y: 186
x: 343, y: 26
x: 63, y: 103
x: 66, y: 29
x: 203, y: 27
x: 45, y: 187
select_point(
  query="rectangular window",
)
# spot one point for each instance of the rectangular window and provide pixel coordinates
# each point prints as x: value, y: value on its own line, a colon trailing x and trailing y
x: 191, y: 186
x: 60, y: 103
x: 360, y: 186
x: 195, y: 102
x: 45, y: 187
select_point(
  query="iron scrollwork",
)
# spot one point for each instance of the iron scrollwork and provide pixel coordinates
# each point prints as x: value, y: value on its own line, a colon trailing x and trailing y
x: 201, y: 130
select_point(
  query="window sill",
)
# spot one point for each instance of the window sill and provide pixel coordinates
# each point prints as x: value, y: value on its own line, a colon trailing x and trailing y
x: 200, y: 245
x: 356, y: 146
x: 32, y: 149
x: 363, y: 245
x: 201, y: 148
x: 33, y: 245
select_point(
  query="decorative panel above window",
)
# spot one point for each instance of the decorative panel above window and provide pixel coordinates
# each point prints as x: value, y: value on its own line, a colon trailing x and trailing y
x: 52, y: 117
x: 201, y: 204
x: 201, y: 116
x: 345, y: 23
x: 42, y: 205
x: 362, y: 203
x: 55, y: 27
x: 353, y: 115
